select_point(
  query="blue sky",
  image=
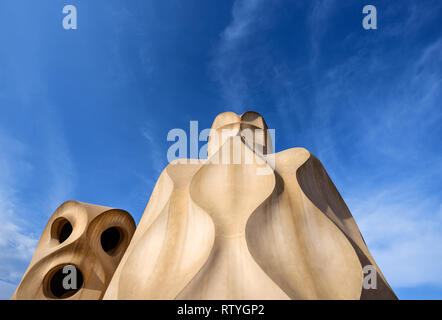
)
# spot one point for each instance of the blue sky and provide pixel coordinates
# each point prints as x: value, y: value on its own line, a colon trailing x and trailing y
x: 84, y: 114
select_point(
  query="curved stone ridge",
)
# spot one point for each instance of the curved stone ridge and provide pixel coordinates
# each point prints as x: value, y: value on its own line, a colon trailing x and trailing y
x: 217, y: 230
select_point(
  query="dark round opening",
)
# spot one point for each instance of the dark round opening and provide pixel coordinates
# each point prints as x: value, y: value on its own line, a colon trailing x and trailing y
x: 65, y: 231
x: 110, y: 239
x: 56, y: 287
x: 61, y: 229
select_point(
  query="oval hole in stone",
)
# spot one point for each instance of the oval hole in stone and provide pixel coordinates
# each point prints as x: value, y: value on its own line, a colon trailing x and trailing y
x: 54, y: 284
x: 61, y: 229
x: 110, y: 240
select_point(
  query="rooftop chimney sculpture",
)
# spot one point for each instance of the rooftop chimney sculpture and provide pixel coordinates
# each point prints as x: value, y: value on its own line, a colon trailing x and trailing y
x: 246, y: 223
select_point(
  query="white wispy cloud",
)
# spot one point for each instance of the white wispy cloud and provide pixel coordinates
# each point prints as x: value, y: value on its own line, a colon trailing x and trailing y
x: 397, y: 209
x: 62, y: 178
x: 243, y: 17
x: 6, y: 289
x: 16, y: 244
x: 402, y: 228
x: 156, y: 153
x: 388, y: 111
x: 229, y: 59
x: 22, y: 217
x: 317, y: 19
